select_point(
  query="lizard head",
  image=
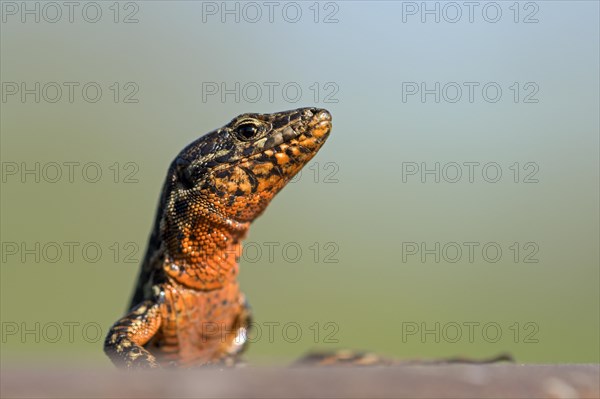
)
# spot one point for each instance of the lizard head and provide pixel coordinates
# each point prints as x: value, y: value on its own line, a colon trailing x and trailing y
x: 214, y: 189
x: 238, y: 169
x: 221, y: 182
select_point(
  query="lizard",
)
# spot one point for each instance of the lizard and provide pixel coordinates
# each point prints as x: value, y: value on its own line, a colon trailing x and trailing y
x: 187, y: 308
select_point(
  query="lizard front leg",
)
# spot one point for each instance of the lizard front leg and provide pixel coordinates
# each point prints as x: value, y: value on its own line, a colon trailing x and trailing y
x: 126, y: 338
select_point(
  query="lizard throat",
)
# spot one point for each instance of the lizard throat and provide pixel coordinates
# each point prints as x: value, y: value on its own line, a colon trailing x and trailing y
x: 206, y: 256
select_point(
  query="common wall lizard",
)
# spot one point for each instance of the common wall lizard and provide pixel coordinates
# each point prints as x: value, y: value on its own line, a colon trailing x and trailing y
x: 187, y: 308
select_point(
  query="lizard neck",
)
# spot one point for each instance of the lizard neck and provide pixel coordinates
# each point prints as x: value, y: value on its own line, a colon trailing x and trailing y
x: 203, y: 255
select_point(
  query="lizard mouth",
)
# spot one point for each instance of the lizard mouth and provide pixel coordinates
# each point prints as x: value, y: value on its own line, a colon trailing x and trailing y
x: 286, y: 152
x: 315, y: 123
x: 308, y: 134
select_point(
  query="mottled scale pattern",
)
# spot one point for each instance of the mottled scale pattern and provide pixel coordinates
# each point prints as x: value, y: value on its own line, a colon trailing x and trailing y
x: 187, y: 308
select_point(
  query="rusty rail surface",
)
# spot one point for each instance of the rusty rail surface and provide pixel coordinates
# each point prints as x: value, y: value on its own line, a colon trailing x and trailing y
x: 433, y: 381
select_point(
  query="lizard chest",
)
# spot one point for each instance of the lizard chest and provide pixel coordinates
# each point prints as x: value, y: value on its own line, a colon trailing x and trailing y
x: 197, y: 326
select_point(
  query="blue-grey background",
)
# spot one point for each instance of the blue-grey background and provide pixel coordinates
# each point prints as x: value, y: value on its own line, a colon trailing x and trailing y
x: 354, y: 201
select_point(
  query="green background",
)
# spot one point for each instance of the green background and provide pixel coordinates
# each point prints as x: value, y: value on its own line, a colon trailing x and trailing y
x: 368, y: 212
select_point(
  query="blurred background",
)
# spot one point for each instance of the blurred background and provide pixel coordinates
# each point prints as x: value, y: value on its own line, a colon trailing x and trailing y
x: 453, y: 211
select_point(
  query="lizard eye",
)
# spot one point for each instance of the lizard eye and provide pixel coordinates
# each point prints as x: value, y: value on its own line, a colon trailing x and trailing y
x: 247, y: 131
